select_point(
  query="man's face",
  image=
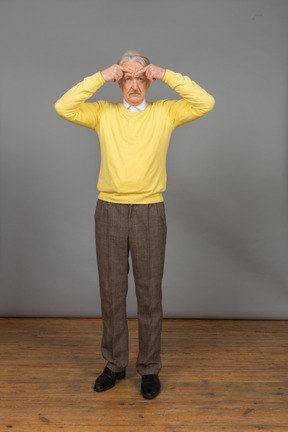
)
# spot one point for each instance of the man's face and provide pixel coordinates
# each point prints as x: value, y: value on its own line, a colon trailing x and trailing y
x: 134, y: 89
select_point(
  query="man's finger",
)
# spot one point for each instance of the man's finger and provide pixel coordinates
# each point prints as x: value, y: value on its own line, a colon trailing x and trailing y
x: 118, y: 78
x: 125, y: 69
x: 141, y: 71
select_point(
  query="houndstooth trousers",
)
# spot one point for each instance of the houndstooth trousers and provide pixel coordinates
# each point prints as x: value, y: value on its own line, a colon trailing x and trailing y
x: 141, y: 230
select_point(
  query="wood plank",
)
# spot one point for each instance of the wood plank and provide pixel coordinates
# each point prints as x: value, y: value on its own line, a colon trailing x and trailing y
x: 218, y: 375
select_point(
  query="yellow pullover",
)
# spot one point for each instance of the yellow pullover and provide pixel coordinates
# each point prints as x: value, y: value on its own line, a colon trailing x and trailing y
x: 134, y: 144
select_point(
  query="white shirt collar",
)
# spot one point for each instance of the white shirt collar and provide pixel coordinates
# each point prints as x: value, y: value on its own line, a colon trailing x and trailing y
x: 133, y: 108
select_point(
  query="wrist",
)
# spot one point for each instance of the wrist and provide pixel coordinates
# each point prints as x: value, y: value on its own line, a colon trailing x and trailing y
x: 104, y: 76
x: 163, y: 74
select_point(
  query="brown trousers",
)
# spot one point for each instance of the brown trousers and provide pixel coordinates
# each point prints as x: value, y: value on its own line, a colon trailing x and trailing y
x: 140, y: 229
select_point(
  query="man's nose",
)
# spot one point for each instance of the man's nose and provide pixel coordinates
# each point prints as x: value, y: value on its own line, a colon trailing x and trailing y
x: 134, y: 84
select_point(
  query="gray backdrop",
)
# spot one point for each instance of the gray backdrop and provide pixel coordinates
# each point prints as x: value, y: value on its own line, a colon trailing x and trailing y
x: 226, y: 200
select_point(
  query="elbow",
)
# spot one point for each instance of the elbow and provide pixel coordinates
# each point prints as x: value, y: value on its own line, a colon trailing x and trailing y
x: 57, y: 107
x: 60, y: 110
x: 210, y: 104
x: 207, y: 106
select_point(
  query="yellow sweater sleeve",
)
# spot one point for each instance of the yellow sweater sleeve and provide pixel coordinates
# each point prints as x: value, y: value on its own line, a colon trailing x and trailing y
x: 72, y: 107
x: 196, y: 101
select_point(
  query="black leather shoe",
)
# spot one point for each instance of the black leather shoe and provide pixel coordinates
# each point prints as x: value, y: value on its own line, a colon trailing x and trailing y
x: 150, y: 386
x: 107, y: 379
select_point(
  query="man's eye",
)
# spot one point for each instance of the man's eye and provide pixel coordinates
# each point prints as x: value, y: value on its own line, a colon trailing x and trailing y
x: 140, y: 79
x: 128, y: 78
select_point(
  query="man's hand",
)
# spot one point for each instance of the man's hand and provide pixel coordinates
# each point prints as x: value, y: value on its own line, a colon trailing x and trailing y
x: 152, y: 72
x: 115, y: 73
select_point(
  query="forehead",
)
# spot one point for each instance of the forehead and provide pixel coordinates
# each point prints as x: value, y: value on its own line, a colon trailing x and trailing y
x: 135, y: 66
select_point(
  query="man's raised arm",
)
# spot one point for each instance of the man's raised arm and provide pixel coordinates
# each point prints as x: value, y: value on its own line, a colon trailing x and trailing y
x: 72, y: 107
x: 196, y: 101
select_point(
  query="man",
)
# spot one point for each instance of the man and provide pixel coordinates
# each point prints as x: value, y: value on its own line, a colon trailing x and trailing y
x: 130, y: 216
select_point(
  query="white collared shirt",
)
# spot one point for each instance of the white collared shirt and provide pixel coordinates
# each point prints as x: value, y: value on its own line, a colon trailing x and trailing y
x: 133, y: 108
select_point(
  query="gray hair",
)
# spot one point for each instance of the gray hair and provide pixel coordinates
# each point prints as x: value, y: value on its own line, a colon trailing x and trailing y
x: 133, y: 56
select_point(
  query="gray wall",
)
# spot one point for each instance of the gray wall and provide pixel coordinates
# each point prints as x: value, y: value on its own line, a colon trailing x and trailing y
x: 226, y: 200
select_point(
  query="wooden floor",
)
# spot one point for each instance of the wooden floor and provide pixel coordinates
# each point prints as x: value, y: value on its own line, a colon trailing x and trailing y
x: 217, y: 376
